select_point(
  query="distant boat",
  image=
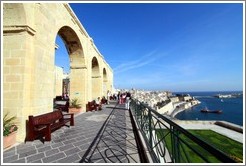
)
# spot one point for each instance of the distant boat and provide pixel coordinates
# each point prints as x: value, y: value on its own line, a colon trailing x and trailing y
x: 210, y: 111
x: 223, y: 96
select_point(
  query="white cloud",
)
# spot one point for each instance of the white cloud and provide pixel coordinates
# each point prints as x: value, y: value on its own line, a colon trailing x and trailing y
x: 143, y: 61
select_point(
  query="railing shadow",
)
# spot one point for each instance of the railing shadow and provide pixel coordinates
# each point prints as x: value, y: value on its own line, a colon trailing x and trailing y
x: 115, y: 143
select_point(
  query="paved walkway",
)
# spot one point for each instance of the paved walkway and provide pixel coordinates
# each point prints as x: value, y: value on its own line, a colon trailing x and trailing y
x: 98, y: 137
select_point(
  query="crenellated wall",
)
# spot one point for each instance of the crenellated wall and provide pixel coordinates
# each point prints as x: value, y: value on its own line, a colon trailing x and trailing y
x: 29, y: 34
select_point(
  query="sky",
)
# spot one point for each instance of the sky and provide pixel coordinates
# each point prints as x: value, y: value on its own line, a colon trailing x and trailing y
x: 163, y: 46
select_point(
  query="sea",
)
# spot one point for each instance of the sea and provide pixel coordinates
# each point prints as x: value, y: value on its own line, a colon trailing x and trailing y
x: 232, y: 108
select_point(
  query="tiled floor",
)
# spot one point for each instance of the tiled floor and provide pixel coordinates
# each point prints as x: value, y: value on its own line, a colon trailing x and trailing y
x: 99, y: 137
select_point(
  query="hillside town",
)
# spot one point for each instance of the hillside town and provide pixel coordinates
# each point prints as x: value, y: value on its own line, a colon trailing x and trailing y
x: 165, y: 102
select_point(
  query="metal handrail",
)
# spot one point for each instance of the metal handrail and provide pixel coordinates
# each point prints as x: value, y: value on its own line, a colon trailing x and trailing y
x: 168, y: 142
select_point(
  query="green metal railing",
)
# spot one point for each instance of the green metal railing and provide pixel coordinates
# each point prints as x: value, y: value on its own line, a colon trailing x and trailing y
x: 168, y: 142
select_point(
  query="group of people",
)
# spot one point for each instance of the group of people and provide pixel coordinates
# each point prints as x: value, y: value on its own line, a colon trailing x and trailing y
x: 99, y: 102
x: 124, y: 98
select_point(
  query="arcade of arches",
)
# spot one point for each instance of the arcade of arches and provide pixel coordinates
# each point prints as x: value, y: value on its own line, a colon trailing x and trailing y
x: 28, y: 59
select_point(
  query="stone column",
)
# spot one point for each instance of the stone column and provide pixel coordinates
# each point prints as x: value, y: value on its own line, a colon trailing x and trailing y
x: 78, y: 84
x: 17, y: 71
x: 97, y: 87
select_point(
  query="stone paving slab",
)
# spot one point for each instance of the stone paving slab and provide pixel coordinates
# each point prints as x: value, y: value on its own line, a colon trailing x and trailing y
x: 70, y: 145
x: 116, y: 142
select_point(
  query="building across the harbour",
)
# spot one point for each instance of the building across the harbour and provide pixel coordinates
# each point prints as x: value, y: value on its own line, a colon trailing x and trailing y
x: 164, y: 101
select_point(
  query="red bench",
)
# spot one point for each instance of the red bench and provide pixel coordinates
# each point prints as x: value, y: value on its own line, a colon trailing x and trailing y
x: 104, y: 101
x: 90, y: 106
x: 42, y: 125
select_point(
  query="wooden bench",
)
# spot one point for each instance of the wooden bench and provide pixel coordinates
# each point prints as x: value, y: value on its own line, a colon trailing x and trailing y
x: 62, y: 105
x: 91, y: 105
x: 104, y: 101
x: 42, y: 125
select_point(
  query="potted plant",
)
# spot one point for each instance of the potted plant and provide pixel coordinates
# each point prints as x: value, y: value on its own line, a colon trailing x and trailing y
x: 9, y: 130
x: 75, y: 106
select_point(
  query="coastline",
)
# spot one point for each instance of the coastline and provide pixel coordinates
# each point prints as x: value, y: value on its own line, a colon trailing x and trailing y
x: 232, y: 109
x: 176, y: 111
x: 188, y: 106
x: 184, y: 106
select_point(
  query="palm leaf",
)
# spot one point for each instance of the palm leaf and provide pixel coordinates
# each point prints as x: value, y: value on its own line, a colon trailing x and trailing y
x: 8, y: 120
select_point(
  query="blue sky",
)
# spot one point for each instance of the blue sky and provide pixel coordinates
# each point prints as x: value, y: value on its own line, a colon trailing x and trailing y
x: 177, y: 47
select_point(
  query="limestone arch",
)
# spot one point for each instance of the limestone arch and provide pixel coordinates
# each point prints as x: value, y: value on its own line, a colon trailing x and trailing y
x: 77, y: 61
x: 73, y: 46
x: 95, y: 78
x: 105, y: 82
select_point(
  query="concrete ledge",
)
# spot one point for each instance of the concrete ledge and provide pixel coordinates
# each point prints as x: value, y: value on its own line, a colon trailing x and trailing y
x: 230, y: 126
x: 19, y: 28
x: 141, y: 141
x: 210, y: 125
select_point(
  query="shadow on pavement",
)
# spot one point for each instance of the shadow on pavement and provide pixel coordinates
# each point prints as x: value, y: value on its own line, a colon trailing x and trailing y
x: 115, y: 143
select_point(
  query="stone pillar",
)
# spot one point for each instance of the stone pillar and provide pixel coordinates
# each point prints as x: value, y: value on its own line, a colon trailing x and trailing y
x: 17, y: 72
x: 78, y: 84
x: 96, y: 87
x: 105, y: 88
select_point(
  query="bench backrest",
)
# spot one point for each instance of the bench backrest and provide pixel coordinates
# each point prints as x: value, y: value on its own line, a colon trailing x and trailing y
x: 46, y: 118
x: 93, y: 102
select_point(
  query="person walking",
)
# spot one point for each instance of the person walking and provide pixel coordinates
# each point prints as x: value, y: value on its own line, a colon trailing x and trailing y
x: 119, y: 97
x: 108, y: 96
x: 128, y: 99
x: 123, y: 98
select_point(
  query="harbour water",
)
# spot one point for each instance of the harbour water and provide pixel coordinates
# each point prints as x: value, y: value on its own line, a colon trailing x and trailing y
x: 232, y: 108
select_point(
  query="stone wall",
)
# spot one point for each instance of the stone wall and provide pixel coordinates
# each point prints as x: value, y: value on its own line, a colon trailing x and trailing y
x: 167, y: 109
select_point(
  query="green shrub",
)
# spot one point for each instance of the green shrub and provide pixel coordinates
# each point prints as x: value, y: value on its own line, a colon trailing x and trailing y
x: 74, y: 103
x: 9, y: 124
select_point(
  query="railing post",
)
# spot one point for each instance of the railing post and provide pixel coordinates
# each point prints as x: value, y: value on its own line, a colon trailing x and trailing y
x: 140, y: 115
x: 175, y: 144
x: 150, y: 129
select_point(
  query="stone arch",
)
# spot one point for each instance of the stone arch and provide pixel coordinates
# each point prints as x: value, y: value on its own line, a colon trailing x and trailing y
x: 95, y: 78
x: 95, y: 67
x: 73, y: 46
x: 77, y: 62
x: 105, y: 82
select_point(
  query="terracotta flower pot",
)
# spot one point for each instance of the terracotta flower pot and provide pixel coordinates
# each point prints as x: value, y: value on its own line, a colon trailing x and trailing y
x: 9, y: 140
x: 75, y: 110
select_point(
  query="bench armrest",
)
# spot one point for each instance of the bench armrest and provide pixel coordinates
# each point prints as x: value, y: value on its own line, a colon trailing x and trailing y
x: 71, y: 118
x: 71, y: 114
x: 67, y: 114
